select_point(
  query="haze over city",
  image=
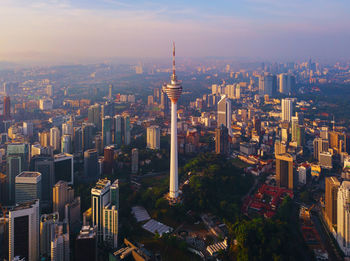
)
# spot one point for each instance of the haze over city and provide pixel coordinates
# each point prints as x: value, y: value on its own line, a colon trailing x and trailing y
x: 75, y: 31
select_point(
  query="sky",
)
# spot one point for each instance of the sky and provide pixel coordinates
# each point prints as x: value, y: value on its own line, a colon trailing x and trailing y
x: 61, y: 31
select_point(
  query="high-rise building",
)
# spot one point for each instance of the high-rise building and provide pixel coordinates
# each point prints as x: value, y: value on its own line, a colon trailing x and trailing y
x: 286, y: 83
x: 72, y: 214
x: 13, y: 168
x: 47, y: 222
x: 66, y: 144
x: 267, y: 84
x: 91, y: 168
x: 28, y: 128
x: 121, y: 130
x: 87, y: 136
x: 60, y: 244
x: 280, y: 147
x: 284, y: 171
x: 153, y: 137
x: 77, y: 139
x: 86, y: 245
x: 100, y: 197
x: 94, y: 115
x: 62, y: 195
x: 24, y: 231
x: 173, y: 90
x: 49, y: 90
x: 98, y: 144
x: 224, y: 116
x: 337, y: 141
x: 107, y: 109
x: 110, y: 225
x: 287, y: 109
x: 134, y: 161
x: 7, y: 108
x: 110, y: 92
x: 108, y: 159
x: 221, y: 140
x: 114, y: 189
x: 343, y: 217
x: 331, y: 196
x: 107, y: 123
x: 150, y: 100
x: 44, y: 138
x: 28, y: 186
x: 164, y: 102
x: 55, y: 138
x: 295, y: 124
x: 64, y: 168
x: 44, y: 165
x: 67, y: 128
x: 21, y: 150
x: 319, y: 146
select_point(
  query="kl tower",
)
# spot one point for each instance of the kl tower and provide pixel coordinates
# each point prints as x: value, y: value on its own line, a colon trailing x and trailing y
x: 173, y: 90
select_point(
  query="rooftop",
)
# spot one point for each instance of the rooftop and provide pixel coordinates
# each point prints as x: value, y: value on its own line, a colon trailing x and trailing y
x: 29, y: 174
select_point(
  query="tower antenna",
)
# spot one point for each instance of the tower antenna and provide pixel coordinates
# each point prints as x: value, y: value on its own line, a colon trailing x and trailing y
x: 174, y: 74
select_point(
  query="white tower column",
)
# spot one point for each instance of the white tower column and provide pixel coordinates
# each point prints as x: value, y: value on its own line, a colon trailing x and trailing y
x: 174, y: 184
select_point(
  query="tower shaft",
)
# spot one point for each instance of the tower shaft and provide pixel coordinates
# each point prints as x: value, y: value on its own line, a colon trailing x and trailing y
x: 174, y: 186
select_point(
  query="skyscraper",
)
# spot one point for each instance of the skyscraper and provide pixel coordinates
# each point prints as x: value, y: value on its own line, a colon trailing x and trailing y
x: 319, y: 145
x: 67, y: 128
x: 87, y: 136
x: 21, y: 150
x: 60, y: 244
x: 173, y: 90
x: 221, y: 140
x: 94, y: 115
x: 47, y: 222
x: 13, y: 168
x: 267, y: 84
x: 331, y: 196
x: 286, y: 83
x: 64, y: 167
x: 62, y: 194
x: 134, y: 161
x: 91, y: 168
x: 110, y: 225
x: 44, y: 138
x: 284, y: 171
x: 7, y: 108
x: 224, y: 116
x: 55, y: 138
x: 86, y: 245
x: 100, y: 197
x: 287, y: 109
x: 107, y: 123
x: 110, y: 92
x: 153, y: 137
x: 77, y: 139
x: 28, y: 186
x: 44, y: 165
x: 66, y: 144
x: 121, y: 130
x: 343, y: 217
x: 24, y: 231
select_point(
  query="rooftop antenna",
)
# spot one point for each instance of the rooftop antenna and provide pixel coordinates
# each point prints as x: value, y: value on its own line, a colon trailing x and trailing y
x: 174, y: 74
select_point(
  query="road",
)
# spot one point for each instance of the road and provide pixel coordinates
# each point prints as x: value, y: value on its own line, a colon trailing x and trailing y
x: 325, y: 237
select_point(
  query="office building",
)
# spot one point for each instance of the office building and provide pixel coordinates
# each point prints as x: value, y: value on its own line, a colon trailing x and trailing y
x: 91, y: 168
x: 44, y: 138
x: 100, y: 197
x: 77, y: 139
x: 337, y: 141
x: 284, y: 171
x: 7, y: 108
x: 110, y: 92
x: 28, y: 128
x: 287, y: 110
x: 24, y: 231
x: 107, y: 123
x: 153, y: 138
x: 319, y: 145
x: 44, y: 165
x: 55, y: 138
x: 47, y: 222
x: 87, y: 136
x: 60, y: 244
x: 86, y: 244
x: 286, y: 83
x: 107, y: 109
x: 21, y: 150
x: 150, y: 100
x: 13, y: 168
x: 94, y: 115
x: 66, y: 144
x: 343, y: 217
x: 49, y: 90
x: 164, y: 102
x: 121, y: 130
x: 332, y: 185
x: 110, y: 225
x: 221, y: 140
x: 62, y: 195
x: 114, y: 190
x: 224, y: 116
x: 67, y: 128
x: 64, y: 168
x: 134, y: 161
x: 108, y: 159
x: 325, y: 160
x: 267, y: 84
x: 72, y: 214
x: 28, y: 186
x: 45, y: 104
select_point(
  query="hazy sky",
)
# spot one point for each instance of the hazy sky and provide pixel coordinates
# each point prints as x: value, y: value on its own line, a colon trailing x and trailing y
x: 59, y: 30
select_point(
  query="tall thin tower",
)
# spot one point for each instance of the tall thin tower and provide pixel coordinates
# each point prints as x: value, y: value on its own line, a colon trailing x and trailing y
x: 173, y: 90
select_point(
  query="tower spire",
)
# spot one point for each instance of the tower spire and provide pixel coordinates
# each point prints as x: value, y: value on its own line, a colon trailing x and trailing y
x: 174, y: 74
